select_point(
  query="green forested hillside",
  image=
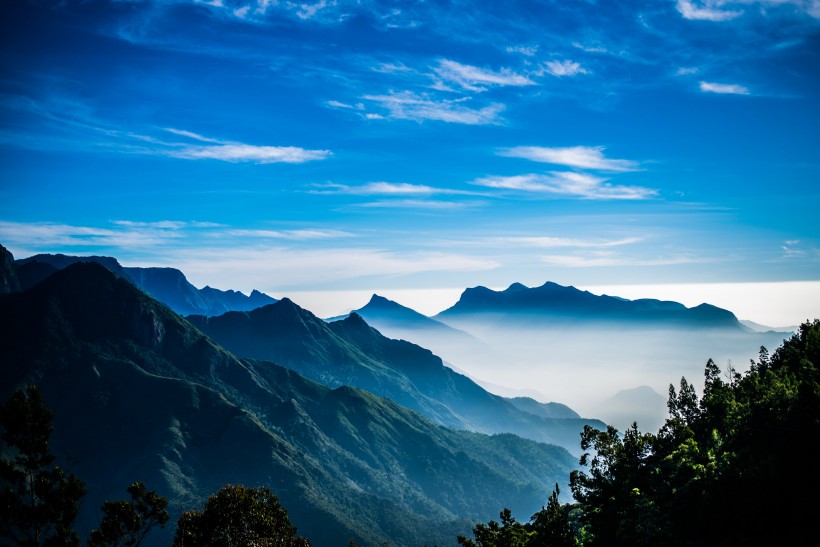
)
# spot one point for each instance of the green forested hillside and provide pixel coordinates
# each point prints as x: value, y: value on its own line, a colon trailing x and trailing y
x: 351, y: 352
x: 734, y: 466
x: 140, y: 394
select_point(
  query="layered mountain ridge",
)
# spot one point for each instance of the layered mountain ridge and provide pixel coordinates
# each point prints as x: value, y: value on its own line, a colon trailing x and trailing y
x: 168, y: 285
x: 351, y: 352
x: 552, y: 301
x: 140, y: 393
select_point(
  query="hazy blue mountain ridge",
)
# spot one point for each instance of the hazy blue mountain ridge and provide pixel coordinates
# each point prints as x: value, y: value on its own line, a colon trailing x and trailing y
x: 559, y: 302
x: 141, y: 394
x: 350, y: 352
x: 168, y: 285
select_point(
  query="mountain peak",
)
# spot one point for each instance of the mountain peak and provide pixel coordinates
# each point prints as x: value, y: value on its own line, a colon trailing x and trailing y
x: 516, y: 287
x: 380, y: 301
x: 355, y: 320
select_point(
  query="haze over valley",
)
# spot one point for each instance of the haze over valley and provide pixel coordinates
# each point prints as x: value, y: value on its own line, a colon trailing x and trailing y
x: 370, y: 272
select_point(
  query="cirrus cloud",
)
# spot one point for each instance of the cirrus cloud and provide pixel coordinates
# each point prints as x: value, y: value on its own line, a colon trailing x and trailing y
x: 407, y: 105
x: 567, y: 183
x: 583, y: 157
x: 234, y: 152
x: 472, y: 77
x: 729, y: 89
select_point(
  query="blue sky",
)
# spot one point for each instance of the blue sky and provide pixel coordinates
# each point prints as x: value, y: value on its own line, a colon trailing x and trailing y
x: 323, y: 149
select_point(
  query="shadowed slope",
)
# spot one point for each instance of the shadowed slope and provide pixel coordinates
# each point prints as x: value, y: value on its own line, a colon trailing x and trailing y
x: 141, y: 394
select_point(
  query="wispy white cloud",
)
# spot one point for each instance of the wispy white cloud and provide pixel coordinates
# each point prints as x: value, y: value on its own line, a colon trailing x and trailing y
x: 276, y: 269
x: 422, y: 204
x: 706, y: 10
x: 687, y: 71
x: 407, y: 105
x: 589, y: 48
x: 386, y: 189
x: 550, y: 242
x: 192, y: 135
x: 345, y: 106
x: 474, y: 78
x: 124, y: 235
x: 731, y: 89
x: 609, y: 259
x: 127, y: 235
x: 234, y: 152
x: 308, y: 11
x: 287, y: 234
x: 583, y: 157
x: 527, y: 51
x: 726, y: 10
x: 569, y: 184
x: 564, y: 68
x: 250, y: 153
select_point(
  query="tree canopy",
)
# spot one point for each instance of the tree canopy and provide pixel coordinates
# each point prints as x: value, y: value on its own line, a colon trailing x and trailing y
x: 125, y: 523
x: 732, y: 467
x: 38, y: 500
x: 237, y: 516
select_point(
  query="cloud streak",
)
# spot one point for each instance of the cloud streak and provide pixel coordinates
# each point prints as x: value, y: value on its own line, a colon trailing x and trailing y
x: 583, y: 157
x: 236, y: 152
x: 473, y: 78
x: 610, y: 259
x: 567, y: 184
x: 407, y: 105
x: 388, y: 189
x: 707, y: 10
x: 728, y: 89
x: 564, y: 68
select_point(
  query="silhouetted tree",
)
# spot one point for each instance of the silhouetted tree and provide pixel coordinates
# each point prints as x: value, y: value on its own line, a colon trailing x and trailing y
x: 552, y: 524
x: 38, y: 501
x: 509, y: 533
x: 127, y: 522
x: 237, y: 516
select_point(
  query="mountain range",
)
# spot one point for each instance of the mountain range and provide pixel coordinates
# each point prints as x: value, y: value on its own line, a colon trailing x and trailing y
x: 553, y: 343
x: 576, y: 347
x: 168, y: 285
x: 551, y: 303
x: 140, y: 393
x: 351, y: 352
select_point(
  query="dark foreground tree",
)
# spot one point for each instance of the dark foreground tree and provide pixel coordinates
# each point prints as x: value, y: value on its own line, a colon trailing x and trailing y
x: 38, y: 501
x: 735, y: 467
x: 508, y: 533
x: 552, y: 525
x: 237, y: 516
x: 126, y: 522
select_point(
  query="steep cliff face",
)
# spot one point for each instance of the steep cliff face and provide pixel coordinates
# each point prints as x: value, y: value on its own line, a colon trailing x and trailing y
x: 8, y: 277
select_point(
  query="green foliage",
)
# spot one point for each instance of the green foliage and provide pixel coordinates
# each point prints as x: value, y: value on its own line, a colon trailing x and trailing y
x: 509, y: 533
x: 552, y: 526
x: 38, y: 501
x: 237, y: 516
x: 127, y: 522
x: 725, y: 469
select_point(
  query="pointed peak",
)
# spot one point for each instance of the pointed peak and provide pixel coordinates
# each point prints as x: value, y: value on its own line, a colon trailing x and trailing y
x: 516, y: 287
x: 380, y: 302
x: 377, y: 299
x: 355, y: 319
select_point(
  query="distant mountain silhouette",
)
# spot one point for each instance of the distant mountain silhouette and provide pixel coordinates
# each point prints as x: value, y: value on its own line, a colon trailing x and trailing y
x: 139, y: 393
x: 553, y: 302
x: 351, y: 352
x: 168, y: 285
x: 642, y: 404
x: 545, y: 410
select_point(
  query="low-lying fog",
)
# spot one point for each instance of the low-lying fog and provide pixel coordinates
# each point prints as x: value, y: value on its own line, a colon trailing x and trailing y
x: 583, y: 366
